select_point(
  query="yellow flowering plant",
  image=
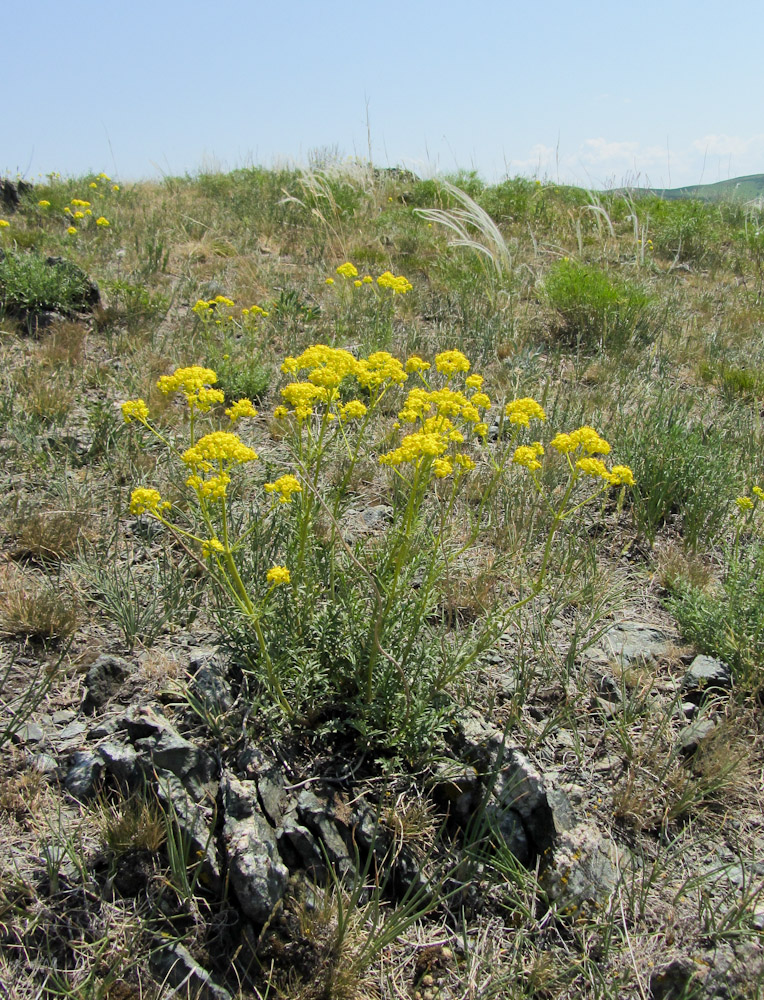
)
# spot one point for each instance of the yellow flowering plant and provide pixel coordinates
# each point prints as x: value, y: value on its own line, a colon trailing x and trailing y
x: 361, y: 624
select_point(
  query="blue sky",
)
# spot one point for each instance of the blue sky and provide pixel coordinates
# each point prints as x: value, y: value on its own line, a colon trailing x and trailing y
x: 594, y: 93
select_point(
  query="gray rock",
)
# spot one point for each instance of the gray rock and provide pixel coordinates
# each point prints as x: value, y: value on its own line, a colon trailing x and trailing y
x: 457, y: 787
x: 212, y: 690
x: 161, y: 746
x: 83, y: 775
x: 74, y: 731
x: 318, y: 816
x: 175, y: 967
x: 257, y: 875
x: 675, y: 980
x: 196, y: 822
x: 63, y: 716
x: 507, y: 826
x: 121, y: 761
x: 630, y: 642
x: 563, y: 816
x: 706, y: 676
x: 583, y: 873
x: 29, y: 732
x: 361, y: 523
x: 693, y: 735
x: 103, y: 680
x: 299, y: 849
x: 45, y: 764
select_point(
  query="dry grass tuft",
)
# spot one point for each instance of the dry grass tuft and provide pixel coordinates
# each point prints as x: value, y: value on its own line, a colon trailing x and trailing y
x: 33, y: 608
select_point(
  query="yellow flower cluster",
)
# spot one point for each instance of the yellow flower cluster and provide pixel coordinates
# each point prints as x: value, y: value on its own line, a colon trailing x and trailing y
x: 241, y: 408
x: 135, y: 409
x: 353, y: 410
x: 44, y: 203
x: 327, y: 366
x: 347, y: 270
x: 220, y: 446
x: 522, y: 411
x: 210, y: 545
x: 528, y: 456
x: 188, y: 380
x: 450, y: 362
x: 415, y: 364
x: 301, y: 396
x: 79, y: 203
x: 254, y: 311
x: 378, y: 369
x: 277, y: 575
x: 213, y: 488
x: 747, y: 503
x: 205, y: 308
x: 398, y: 284
x: 145, y: 500
x: 195, y: 383
x: 585, y: 438
x: 4, y: 223
x: 102, y: 222
x: 285, y: 486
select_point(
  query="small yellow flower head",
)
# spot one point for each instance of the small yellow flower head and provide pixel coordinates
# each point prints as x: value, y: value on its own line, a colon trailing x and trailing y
x: 522, y: 411
x: 481, y: 430
x: 379, y: 368
x: 464, y: 461
x: 93, y: 185
x: 347, y: 270
x: 88, y: 211
x: 357, y: 283
x: 223, y: 300
x: 330, y: 281
x: 442, y: 467
x: 102, y: 222
x: 367, y: 279
x: 481, y: 399
x: 758, y: 492
x: 221, y: 447
x: 79, y: 203
x: 144, y: 500
x: 352, y: 410
x: 301, y: 396
x: 72, y: 231
x: 451, y: 362
x: 241, y: 408
x: 213, y: 488
x: 280, y: 412
x: 277, y: 575
x: 744, y: 503
x: 528, y: 456
x: 44, y: 203
x: 67, y: 211
x: 399, y: 284
x: 590, y: 441
x: 621, y: 475
x: 205, y: 398
x: 135, y: 409
x: 115, y: 187
x: 188, y: 380
x: 594, y: 467
x: 4, y: 223
x: 285, y: 487
x: 474, y: 382
x: 416, y: 364
x: 210, y: 545
x: 79, y: 215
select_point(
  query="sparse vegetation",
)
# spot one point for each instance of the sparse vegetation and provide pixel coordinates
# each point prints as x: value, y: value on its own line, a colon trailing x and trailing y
x: 322, y: 488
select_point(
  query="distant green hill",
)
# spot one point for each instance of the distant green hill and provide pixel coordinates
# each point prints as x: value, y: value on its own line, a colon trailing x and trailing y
x: 736, y: 189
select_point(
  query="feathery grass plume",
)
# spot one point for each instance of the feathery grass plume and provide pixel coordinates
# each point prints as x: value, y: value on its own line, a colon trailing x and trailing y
x: 473, y: 226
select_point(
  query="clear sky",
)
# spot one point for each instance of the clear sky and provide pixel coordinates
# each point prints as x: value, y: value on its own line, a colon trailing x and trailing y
x: 592, y: 92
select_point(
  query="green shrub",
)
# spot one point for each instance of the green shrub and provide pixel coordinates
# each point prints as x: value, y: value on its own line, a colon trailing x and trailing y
x: 594, y: 309
x: 31, y: 284
x: 729, y: 621
x: 683, y: 464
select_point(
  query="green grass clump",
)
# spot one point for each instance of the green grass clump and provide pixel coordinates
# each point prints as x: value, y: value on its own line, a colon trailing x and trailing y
x: 594, y: 309
x: 31, y: 284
